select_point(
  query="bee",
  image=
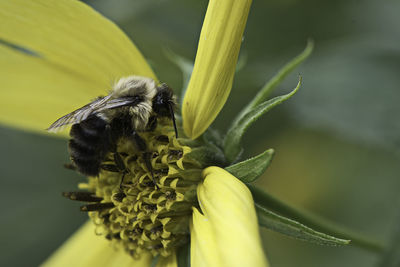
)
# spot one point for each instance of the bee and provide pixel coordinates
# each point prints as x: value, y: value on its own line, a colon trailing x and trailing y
x: 133, y: 106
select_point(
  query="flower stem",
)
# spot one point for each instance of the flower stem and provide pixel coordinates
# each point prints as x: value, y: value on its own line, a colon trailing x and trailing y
x: 311, y: 220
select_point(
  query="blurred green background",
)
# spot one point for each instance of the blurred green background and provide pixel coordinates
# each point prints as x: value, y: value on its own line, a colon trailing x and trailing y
x: 337, y: 141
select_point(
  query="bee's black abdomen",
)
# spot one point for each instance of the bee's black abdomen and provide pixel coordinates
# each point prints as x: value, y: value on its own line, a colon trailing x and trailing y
x: 84, y: 134
x: 89, y: 144
x: 87, y: 167
x: 81, y: 150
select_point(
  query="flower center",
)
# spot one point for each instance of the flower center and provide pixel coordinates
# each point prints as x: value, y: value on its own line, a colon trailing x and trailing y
x: 141, y: 207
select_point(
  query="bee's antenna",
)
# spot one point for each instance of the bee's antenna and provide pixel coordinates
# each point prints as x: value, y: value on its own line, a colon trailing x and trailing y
x: 171, y: 111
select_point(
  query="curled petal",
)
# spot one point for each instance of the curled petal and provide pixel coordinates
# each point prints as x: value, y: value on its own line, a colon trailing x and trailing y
x: 57, y: 55
x: 85, y: 249
x: 227, y: 233
x: 215, y: 63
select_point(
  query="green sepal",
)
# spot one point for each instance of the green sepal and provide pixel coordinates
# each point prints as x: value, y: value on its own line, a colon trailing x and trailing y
x: 269, y: 202
x: 178, y: 225
x: 234, y: 136
x: 249, y: 170
x: 213, y: 137
x: 267, y: 89
x: 185, y: 65
x: 295, y: 229
x: 191, y: 194
x: 189, y: 142
x: 209, y: 155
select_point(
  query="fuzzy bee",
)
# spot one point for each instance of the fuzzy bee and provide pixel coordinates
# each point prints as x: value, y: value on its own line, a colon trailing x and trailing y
x: 133, y: 106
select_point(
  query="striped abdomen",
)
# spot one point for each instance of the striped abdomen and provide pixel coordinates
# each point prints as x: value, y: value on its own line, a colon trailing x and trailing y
x: 89, y: 144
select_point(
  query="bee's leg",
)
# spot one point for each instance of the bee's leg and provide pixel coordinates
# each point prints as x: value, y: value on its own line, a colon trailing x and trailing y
x: 147, y: 161
x: 70, y: 166
x: 141, y: 145
x: 139, y: 141
x: 110, y: 144
x: 122, y: 180
x: 119, y: 166
x: 119, y: 163
x: 109, y: 167
x: 152, y: 124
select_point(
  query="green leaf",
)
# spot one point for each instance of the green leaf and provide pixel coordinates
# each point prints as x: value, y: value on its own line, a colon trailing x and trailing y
x: 234, y: 136
x: 185, y: 65
x: 233, y: 149
x: 277, y: 79
x: 249, y: 170
x: 295, y: 229
x: 265, y: 200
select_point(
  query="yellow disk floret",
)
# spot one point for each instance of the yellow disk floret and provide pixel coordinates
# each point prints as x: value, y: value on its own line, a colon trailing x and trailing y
x: 147, y: 208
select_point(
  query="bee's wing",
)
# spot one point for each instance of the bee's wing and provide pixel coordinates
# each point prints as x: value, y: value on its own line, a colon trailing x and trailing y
x: 120, y: 102
x: 94, y: 107
x: 78, y: 115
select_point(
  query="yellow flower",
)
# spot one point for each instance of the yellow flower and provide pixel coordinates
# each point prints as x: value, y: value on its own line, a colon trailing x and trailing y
x: 58, y: 54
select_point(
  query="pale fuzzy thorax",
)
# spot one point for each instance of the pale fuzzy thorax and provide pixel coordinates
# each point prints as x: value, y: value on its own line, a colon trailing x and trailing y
x: 137, y: 86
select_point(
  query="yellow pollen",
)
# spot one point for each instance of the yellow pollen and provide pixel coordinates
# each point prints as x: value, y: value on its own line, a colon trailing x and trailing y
x: 136, y: 214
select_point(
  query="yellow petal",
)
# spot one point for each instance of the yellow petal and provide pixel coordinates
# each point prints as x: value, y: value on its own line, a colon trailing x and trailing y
x: 227, y: 234
x: 80, y: 55
x: 169, y: 261
x: 203, y: 247
x: 34, y: 93
x: 215, y: 64
x: 85, y: 249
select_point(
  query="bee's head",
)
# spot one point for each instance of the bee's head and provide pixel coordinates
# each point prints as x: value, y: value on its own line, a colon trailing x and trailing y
x: 163, y: 100
x: 164, y: 103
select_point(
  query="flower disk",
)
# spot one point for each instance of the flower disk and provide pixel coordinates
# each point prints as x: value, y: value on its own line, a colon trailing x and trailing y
x: 135, y: 213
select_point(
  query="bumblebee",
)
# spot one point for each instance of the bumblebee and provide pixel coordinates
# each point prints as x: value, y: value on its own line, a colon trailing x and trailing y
x: 133, y: 106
